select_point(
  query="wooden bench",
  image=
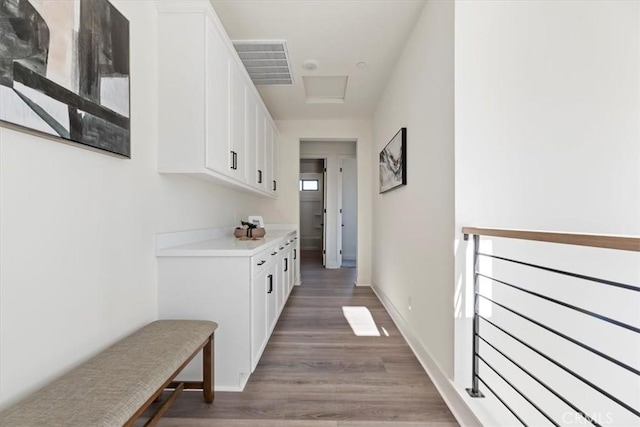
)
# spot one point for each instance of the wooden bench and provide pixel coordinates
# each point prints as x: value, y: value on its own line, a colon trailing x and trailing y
x: 116, y: 386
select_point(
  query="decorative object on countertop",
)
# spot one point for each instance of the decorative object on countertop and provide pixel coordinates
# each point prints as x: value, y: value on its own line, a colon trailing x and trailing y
x: 257, y: 220
x: 249, y: 231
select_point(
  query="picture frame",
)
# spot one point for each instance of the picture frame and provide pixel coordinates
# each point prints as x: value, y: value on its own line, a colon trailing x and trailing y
x: 393, y: 162
x: 65, y: 72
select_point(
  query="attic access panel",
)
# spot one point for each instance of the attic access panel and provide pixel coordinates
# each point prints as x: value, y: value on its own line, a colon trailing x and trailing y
x: 325, y: 89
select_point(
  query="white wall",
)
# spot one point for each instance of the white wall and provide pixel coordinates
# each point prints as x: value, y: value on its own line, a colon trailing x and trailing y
x: 548, y: 137
x: 413, y: 225
x: 287, y: 207
x: 77, y: 232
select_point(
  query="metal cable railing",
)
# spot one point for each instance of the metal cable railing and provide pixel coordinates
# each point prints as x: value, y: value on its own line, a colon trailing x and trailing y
x: 622, y: 243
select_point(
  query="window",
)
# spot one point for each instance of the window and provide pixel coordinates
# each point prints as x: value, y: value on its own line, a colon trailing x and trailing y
x: 309, y: 185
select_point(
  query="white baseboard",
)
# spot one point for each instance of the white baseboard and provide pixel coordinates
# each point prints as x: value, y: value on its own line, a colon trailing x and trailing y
x: 243, y: 379
x: 446, y: 388
x: 229, y: 389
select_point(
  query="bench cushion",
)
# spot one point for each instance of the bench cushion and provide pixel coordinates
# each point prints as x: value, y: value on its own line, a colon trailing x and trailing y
x: 108, y: 389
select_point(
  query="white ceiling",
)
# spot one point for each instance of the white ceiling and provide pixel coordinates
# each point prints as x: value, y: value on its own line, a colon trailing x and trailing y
x: 336, y: 33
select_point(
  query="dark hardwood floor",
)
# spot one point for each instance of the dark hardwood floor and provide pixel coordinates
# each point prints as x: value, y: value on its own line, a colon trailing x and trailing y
x: 335, y: 359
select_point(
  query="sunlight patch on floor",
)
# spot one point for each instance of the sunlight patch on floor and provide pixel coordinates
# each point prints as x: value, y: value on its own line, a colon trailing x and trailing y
x: 361, y: 321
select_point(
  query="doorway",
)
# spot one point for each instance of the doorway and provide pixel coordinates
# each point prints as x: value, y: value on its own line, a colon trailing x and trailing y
x: 328, y: 201
x: 312, y: 209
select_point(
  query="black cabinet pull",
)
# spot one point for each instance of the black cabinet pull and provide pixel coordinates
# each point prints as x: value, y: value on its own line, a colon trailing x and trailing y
x: 234, y: 160
x: 295, y: 254
x: 286, y: 264
x: 287, y: 244
x: 282, y: 247
x: 259, y: 176
x: 273, y: 253
x: 270, y: 283
x: 274, y: 185
x: 262, y: 262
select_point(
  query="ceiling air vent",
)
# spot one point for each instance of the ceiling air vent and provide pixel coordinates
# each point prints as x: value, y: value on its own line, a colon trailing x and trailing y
x: 267, y: 62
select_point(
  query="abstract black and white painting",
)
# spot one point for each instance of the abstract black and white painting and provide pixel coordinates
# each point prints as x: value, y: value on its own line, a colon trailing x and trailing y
x: 393, y: 162
x: 64, y: 70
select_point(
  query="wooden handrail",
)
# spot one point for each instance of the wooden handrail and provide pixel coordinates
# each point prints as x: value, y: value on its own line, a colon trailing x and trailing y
x: 623, y: 243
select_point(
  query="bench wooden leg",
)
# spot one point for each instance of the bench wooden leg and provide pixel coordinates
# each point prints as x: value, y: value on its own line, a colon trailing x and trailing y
x: 165, y: 406
x: 208, y: 371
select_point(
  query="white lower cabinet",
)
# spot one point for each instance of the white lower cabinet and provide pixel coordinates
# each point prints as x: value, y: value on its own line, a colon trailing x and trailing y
x: 295, y: 265
x: 281, y: 275
x: 291, y: 264
x: 243, y: 294
x: 272, y: 299
x: 259, y: 291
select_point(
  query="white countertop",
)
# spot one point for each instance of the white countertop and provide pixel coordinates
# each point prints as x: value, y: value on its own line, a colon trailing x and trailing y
x: 226, y: 245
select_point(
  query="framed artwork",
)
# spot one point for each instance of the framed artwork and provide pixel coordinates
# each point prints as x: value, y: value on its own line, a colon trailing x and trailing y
x: 393, y: 162
x: 64, y: 71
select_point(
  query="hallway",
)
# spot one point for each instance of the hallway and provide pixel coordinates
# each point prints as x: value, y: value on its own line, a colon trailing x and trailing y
x: 329, y: 363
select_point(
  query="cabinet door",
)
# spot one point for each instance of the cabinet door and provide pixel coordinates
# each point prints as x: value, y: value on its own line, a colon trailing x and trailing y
x: 261, y: 149
x: 268, y: 137
x: 238, y: 151
x: 284, y: 281
x: 273, y: 139
x: 272, y: 300
x: 292, y: 263
x: 296, y: 263
x: 217, y: 105
x: 251, y: 136
x: 288, y: 258
x: 259, y: 288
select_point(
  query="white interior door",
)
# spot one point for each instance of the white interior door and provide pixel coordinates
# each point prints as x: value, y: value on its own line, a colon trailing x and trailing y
x: 324, y: 215
x: 348, y: 212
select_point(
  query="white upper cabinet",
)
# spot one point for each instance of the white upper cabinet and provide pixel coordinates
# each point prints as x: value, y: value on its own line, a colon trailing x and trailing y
x: 217, y: 103
x: 261, y: 151
x: 273, y: 141
x: 268, y: 140
x: 212, y: 121
x: 238, y: 148
x: 251, y: 133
